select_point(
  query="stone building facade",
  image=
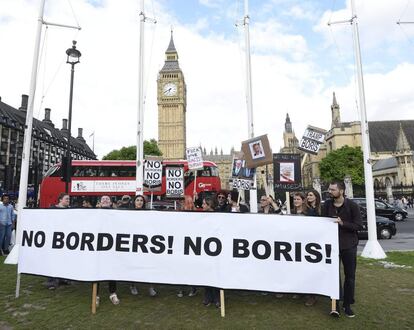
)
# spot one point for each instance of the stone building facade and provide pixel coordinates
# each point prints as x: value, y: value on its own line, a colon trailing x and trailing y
x: 48, y: 145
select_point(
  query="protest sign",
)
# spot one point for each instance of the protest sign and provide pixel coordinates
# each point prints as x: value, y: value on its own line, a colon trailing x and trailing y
x: 174, y: 181
x: 312, y: 139
x: 287, y: 172
x: 288, y: 254
x: 194, y: 158
x: 242, y: 178
x: 257, y: 151
x: 152, y: 174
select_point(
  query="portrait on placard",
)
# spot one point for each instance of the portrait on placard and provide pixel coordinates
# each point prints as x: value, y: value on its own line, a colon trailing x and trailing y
x: 237, y: 167
x: 256, y: 149
x: 287, y: 172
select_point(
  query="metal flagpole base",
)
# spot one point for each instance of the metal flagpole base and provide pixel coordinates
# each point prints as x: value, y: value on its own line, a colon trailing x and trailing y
x: 13, y: 256
x: 373, y: 250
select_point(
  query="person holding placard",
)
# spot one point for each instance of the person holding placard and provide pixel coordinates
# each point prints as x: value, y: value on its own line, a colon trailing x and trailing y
x: 106, y: 203
x: 234, y: 203
x: 140, y: 204
x: 348, y: 216
x: 268, y: 205
x: 212, y: 294
x: 313, y: 203
x: 63, y: 203
x: 188, y: 205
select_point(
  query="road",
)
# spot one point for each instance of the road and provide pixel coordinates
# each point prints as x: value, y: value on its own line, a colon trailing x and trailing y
x: 402, y: 241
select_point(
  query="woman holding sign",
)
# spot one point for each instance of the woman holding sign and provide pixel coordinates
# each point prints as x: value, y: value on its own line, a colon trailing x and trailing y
x: 211, y: 295
x: 140, y: 204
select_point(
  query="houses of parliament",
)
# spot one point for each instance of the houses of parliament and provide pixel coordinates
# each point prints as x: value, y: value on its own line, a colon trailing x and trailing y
x: 392, y: 142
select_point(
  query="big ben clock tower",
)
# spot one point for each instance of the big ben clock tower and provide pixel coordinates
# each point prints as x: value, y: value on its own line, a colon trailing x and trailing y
x: 172, y: 102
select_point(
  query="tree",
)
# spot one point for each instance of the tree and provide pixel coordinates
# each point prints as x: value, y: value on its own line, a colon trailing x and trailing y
x: 130, y: 153
x: 342, y: 162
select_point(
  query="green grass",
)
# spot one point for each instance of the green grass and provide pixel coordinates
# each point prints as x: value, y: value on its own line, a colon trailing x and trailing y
x: 385, y: 300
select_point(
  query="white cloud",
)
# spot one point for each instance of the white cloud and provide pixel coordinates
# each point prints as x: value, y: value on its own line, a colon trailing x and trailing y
x: 286, y: 75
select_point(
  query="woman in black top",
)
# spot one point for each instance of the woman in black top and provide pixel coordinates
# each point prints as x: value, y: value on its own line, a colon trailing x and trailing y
x: 313, y: 202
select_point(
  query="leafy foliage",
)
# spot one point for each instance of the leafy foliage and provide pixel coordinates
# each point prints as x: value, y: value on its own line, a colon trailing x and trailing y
x: 130, y: 153
x: 341, y: 162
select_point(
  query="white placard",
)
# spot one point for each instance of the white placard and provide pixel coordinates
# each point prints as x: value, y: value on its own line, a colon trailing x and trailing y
x: 226, y: 250
x: 80, y: 186
x: 194, y: 158
x: 152, y: 172
x: 242, y: 184
x: 312, y: 139
x: 174, y: 182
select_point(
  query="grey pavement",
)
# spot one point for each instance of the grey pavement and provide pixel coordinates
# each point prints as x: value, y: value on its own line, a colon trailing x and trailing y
x: 402, y: 241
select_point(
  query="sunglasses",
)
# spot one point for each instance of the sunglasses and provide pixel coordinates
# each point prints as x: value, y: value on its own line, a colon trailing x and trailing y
x: 221, y: 197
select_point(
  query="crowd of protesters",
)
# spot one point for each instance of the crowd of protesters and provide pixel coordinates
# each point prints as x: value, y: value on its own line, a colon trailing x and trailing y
x: 307, y: 203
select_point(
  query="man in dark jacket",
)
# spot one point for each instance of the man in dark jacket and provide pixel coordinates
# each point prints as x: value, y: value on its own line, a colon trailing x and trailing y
x: 348, y: 217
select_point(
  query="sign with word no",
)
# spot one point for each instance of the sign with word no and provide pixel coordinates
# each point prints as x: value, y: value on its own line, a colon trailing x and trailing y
x: 174, y: 177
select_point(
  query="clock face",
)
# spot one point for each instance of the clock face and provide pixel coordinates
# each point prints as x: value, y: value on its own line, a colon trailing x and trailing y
x: 170, y: 89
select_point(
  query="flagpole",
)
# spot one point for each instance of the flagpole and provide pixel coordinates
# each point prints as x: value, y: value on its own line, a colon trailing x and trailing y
x: 140, y: 140
x: 372, y: 248
x: 24, y: 170
x: 249, y: 101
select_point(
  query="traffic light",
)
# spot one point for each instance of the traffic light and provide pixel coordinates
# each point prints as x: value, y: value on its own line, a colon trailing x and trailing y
x: 65, y: 169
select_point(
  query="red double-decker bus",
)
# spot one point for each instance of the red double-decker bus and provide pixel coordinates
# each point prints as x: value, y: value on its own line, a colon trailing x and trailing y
x: 94, y: 178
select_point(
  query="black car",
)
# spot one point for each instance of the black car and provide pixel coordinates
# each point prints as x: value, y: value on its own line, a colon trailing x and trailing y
x: 384, y: 209
x: 385, y: 227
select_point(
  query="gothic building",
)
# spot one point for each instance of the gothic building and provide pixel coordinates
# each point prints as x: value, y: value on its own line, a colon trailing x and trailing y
x: 172, y: 103
x: 392, y: 150
x: 48, y: 145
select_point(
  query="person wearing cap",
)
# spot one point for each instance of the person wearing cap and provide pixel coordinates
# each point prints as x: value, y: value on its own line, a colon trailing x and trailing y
x: 7, y: 219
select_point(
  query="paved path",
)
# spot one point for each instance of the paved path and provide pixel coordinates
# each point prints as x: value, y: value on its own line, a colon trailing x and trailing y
x: 402, y: 241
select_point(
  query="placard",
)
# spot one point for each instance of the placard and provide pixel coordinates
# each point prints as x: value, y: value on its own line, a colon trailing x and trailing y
x: 287, y: 172
x: 152, y: 174
x: 194, y: 158
x: 174, y: 181
x: 312, y: 139
x: 257, y: 151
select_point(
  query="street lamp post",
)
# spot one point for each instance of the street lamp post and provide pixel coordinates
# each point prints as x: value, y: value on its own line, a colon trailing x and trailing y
x: 73, y: 58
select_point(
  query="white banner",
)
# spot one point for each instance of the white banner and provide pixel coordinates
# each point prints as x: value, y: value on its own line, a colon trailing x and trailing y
x: 194, y: 157
x: 226, y: 250
x: 80, y: 186
x: 174, y: 181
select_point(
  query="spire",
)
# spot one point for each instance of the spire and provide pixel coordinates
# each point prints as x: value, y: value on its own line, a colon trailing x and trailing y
x: 171, y: 46
x: 336, y: 114
x: 334, y: 103
x: 288, y: 124
x: 171, y: 57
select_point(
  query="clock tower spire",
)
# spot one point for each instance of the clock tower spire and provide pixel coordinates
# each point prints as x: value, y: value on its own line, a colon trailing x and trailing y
x: 172, y: 103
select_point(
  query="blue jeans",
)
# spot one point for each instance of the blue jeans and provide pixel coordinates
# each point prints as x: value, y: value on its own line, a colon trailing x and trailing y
x: 5, y: 236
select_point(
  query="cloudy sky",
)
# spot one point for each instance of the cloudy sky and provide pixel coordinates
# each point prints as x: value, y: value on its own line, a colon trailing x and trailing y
x: 297, y: 62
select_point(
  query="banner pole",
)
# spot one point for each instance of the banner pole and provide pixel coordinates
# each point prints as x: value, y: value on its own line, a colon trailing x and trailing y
x: 287, y: 202
x: 195, y: 185
x: 222, y: 307
x: 152, y: 198
x: 94, y: 294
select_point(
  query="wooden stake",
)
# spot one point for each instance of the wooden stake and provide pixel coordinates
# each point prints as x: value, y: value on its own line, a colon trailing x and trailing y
x: 222, y: 307
x: 195, y: 185
x: 288, y: 202
x: 334, y: 312
x: 94, y: 294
